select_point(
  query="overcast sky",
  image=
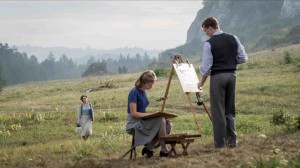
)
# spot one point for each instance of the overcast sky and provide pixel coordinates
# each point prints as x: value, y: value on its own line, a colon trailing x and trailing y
x: 97, y: 24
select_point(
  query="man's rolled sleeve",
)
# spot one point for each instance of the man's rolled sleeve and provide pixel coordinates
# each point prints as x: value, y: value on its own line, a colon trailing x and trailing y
x: 241, y: 53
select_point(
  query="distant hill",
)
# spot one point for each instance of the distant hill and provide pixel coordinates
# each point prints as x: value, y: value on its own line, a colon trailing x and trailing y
x: 80, y: 55
x: 253, y: 21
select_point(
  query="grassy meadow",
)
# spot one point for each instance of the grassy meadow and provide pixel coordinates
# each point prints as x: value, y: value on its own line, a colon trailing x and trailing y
x: 37, y: 119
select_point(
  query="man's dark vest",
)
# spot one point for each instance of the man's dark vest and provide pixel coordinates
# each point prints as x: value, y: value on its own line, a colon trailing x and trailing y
x: 224, y: 51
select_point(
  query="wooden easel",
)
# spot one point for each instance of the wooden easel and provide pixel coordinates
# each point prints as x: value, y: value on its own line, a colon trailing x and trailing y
x: 183, y: 139
x: 177, y: 60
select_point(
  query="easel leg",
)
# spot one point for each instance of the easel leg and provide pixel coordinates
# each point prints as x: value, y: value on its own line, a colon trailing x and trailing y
x: 167, y: 90
x: 193, y: 111
x: 206, y: 111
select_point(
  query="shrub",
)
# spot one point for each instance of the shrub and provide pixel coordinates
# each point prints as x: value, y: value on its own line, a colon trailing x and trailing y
x: 287, y: 58
x: 161, y: 72
x: 281, y: 117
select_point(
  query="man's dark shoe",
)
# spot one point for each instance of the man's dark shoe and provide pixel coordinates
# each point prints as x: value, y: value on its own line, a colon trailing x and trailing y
x: 163, y: 154
x: 231, y: 145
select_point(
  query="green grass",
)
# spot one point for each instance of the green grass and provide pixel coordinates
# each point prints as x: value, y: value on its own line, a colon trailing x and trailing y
x: 37, y: 119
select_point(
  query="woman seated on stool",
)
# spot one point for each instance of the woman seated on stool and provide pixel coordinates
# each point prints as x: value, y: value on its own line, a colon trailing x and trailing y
x: 147, y: 132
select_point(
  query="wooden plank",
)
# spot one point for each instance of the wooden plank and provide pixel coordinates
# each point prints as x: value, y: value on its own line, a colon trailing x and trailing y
x: 179, y: 141
x: 173, y: 137
x: 192, y: 135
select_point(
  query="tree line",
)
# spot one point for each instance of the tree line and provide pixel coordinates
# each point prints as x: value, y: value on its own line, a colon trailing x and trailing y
x: 17, y: 67
x: 121, y: 65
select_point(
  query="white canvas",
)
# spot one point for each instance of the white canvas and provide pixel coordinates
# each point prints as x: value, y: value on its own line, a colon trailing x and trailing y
x: 187, y: 76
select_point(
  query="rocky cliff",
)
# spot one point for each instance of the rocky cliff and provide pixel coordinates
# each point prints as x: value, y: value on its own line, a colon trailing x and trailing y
x: 236, y: 16
x: 290, y: 8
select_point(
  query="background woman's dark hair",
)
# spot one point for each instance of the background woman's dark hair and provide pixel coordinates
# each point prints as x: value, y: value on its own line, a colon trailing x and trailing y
x: 81, y: 97
x: 147, y: 76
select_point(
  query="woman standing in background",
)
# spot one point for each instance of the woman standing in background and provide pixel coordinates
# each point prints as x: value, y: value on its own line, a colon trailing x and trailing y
x: 85, y: 117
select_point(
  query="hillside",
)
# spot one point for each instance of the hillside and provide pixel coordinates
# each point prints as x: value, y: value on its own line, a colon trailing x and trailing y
x: 38, y: 119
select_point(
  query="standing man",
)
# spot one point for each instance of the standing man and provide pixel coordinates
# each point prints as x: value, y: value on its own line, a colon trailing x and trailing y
x: 220, y: 56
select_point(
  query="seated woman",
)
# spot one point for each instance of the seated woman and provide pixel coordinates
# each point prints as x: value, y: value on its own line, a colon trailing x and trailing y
x: 147, y: 132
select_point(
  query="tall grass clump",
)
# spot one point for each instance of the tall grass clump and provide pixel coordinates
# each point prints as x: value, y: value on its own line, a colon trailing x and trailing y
x: 295, y: 162
x: 108, y: 115
x: 298, y: 122
x: 12, y: 123
x: 274, y: 162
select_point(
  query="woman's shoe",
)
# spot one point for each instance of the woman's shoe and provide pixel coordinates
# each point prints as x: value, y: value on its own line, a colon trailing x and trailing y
x: 163, y: 154
x: 148, y: 152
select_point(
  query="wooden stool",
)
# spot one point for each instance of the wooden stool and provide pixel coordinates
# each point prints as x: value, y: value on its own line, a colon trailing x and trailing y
x: 183, y: 139
x: 132, y: 150
x: 184, y: 143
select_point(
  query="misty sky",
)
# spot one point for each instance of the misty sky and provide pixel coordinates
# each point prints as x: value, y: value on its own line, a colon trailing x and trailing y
x: 97, y: 24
